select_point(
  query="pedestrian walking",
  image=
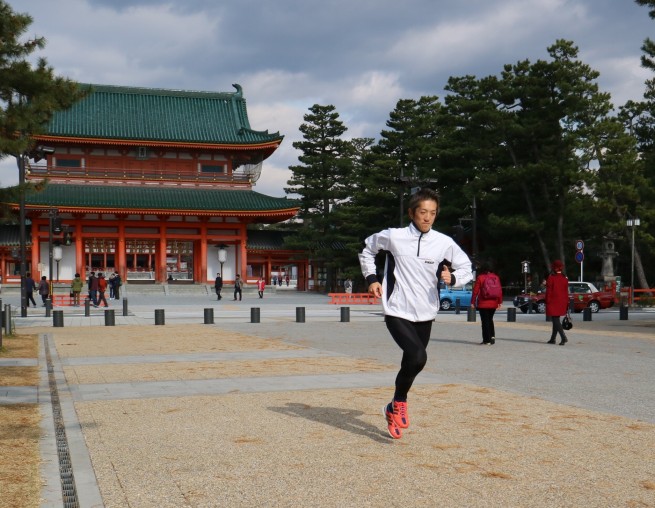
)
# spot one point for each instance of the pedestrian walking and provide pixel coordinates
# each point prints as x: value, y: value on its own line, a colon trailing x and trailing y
x: 118, y: 282
x: 487, y: 297
x: 261, y: 285
x: 557, y: 300
x: 218, y: 286
x: 76, y: 289
x: 30, y: 287
x: 44, y: 290
x: 102, y: 288
x: 92, y: 285
x: 237, y: 288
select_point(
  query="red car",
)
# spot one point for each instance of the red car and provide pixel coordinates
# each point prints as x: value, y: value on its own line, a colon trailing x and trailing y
x: 584, y: 294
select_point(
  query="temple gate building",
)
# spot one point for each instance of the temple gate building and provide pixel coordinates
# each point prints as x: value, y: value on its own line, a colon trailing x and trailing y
x: 156, y: 185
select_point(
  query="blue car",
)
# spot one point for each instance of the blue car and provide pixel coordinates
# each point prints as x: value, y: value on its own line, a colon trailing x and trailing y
x: 448, y: 296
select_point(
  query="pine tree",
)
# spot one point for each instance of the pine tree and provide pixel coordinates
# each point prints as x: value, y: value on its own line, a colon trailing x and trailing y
x: 29, y: 94
x: 529, y: 132
x: 648, y: 59
x: 321, y: 181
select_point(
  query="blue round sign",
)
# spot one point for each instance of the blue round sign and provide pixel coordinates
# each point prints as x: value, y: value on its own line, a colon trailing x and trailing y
x: 579, y: 245
x: 579, y: 256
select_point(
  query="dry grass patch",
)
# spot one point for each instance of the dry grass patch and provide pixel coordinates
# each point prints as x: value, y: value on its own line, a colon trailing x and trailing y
x: 125, y: 373
x: 19, y: 376
x: 20, y: 346
x: 159, y: 340
x: 20, y: 481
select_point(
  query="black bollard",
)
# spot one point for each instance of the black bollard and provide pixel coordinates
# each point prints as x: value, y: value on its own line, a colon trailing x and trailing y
x: 511, y: 314
x: 623, y: 313
x: 110, y: 318
x: 254, y: 314
x: 209, y: 316
x: 159, y: 317
x: 470, y: 316
x: 87, y: 307
x: 48, y: 307
x: 586, y: 314
x: 125, y: 313
x: 345, y: 314
x: 58, y: 318
x: 7, y: 321
x: 300, y: 314
x: 458, y: 303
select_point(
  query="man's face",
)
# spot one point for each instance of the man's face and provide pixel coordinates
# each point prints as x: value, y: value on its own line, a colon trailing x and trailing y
x: 424, y: 215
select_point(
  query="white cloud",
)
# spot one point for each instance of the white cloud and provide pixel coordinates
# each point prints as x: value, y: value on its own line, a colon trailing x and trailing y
x: 141, y: 45
x: 360, y: 57
x: 501, y: 29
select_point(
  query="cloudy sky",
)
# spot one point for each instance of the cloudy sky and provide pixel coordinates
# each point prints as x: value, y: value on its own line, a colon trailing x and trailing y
x: 361, y: 56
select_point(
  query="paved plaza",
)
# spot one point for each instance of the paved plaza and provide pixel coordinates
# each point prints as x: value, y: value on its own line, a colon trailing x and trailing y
x: 287, y: 413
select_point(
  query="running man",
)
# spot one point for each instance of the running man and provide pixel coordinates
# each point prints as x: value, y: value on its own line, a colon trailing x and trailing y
x: 416, y: 259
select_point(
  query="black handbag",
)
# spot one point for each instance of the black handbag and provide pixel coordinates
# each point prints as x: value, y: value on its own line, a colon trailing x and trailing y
x: 567, y: 322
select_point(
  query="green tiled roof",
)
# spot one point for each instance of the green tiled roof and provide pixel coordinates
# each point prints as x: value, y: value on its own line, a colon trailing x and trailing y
x: 92, y: 197
x: 10, y: 235
x: 151, y: 114
x: 266, y: 240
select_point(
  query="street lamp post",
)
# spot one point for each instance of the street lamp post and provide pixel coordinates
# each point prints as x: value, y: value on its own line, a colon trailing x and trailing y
x: 21, y: 159
x: 57, y: 254
x: 222, y: 257
x: 51, y: 216
x: 633, y: 223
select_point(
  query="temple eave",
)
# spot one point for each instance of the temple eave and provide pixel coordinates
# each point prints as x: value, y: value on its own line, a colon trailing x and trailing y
x: 162, y: 144
x: 284, y: 213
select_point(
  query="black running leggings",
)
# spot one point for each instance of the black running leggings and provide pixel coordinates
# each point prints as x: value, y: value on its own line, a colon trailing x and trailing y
x: 413, y: 339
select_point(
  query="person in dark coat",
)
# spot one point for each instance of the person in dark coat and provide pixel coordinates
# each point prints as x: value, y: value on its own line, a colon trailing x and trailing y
x: 92, y: 284
x: 44, y: 289
x: 237, y: 287
x: 485, y: 304
x: 118, y: 282
x: 218, y: 286
x: 30, y: 286
x: 557, y: 300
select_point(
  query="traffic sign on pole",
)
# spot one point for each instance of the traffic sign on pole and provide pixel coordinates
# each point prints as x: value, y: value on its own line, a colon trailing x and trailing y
x: 579, y: 256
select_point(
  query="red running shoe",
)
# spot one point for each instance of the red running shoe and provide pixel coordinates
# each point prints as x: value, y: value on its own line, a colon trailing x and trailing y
x: 400, y: 414
x: 392, y: 426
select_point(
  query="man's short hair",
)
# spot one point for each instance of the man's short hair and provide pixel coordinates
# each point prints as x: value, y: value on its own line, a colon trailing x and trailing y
x: 425, y: 194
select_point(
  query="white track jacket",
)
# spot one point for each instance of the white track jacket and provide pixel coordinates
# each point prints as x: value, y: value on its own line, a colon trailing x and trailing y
x: 410, y: 285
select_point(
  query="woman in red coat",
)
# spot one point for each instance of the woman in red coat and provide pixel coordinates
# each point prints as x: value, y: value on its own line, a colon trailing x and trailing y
x: 557, y: 300
x: 487, y: 297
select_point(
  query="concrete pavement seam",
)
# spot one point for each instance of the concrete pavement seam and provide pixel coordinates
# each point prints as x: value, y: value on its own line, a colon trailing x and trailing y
x: 86, y: 484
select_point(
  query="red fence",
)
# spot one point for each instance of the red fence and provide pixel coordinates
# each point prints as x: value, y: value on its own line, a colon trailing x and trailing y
x: 636, y: 295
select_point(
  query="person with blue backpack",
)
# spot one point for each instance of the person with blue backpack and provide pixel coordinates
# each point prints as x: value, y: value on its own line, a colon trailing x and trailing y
x: 487, y: 297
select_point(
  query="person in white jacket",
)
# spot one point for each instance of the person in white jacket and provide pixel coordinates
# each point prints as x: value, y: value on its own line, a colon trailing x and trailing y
x: 417, y: 258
